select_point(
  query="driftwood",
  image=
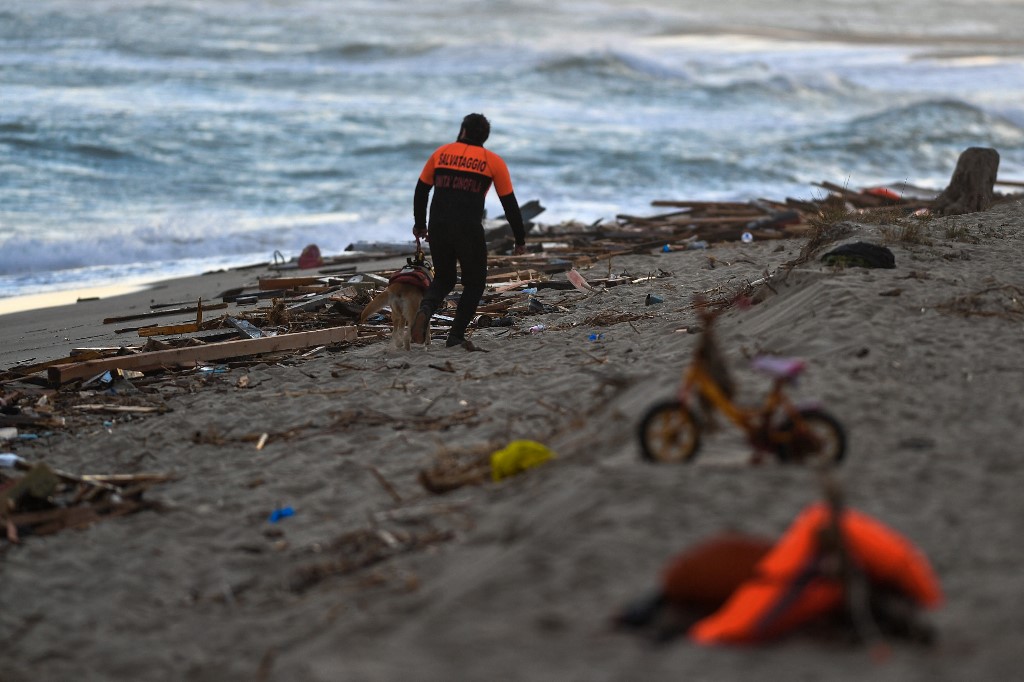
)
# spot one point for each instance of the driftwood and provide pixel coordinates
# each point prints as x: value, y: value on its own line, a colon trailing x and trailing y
x: 971, y: 188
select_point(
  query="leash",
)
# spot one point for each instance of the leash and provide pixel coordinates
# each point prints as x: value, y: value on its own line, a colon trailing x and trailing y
x: 421, y: 259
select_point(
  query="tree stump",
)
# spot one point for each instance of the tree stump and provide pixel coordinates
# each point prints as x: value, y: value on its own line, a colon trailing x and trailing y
x: 971, y: 187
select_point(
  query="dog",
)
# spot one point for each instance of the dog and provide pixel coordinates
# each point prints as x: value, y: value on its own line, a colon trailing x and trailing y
x: 403, y: 295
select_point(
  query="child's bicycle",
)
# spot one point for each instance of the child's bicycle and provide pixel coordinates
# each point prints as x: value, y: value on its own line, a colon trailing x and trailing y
x: 671, y: 430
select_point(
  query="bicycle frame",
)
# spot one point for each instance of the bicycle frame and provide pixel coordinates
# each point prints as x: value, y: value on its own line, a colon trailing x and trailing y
x: 756, y: 422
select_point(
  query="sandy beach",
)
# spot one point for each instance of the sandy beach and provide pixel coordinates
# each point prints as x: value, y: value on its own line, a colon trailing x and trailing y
x: 373, y: 577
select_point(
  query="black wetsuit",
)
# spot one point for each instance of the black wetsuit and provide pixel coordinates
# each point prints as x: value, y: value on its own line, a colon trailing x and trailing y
x: 460, y: 175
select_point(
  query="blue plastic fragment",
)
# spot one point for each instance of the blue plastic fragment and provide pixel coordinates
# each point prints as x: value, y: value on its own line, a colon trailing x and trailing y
x: 281, y: 513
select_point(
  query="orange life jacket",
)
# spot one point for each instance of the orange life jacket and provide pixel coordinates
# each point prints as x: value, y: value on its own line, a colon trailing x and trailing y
x: 788, y: 588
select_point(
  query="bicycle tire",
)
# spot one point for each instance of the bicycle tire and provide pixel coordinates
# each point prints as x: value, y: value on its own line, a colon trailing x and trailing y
x: 830, y: 448
x: 669, y: 432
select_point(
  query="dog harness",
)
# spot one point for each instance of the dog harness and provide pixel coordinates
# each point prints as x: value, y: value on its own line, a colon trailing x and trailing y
x: 416, y: 275
x: 417, y: 271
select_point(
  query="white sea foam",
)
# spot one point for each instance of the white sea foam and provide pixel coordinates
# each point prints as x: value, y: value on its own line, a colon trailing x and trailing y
x: 201, y: 134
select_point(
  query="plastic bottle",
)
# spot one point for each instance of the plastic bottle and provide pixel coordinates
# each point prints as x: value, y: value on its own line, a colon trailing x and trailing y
x: 747, y: 237
x: 537, y: 329
x: 699, y: 244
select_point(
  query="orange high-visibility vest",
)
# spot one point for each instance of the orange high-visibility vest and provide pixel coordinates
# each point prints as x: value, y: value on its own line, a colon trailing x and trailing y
x: 788, y: 589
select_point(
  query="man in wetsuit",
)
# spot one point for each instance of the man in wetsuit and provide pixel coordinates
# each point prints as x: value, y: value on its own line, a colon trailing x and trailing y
x: 461, y: 173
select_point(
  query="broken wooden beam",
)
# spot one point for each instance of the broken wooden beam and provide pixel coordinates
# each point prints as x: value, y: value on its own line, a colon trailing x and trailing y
x: 61, y: 374
x: 504, y: 275
x: 170, y: 329
x: 185, y: 328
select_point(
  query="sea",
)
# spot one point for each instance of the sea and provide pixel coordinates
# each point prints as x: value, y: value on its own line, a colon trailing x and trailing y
x: 147, y: 139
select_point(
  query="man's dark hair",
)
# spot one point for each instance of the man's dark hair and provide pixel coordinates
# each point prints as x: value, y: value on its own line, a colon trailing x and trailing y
x: 476, y: 128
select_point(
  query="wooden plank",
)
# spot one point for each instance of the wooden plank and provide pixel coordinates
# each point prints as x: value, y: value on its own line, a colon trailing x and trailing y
x: 379, y: 279
x: 61, y: 374
x: 92, y: 353
x: 695, y: 220
x: 267, y: 283
x: 311, y: 304
x: 169, y: 329
x: 163, y: 313
x: 186, y: 328
x: 522, y: 274
x: 130, y: 409
x: 29, y: 420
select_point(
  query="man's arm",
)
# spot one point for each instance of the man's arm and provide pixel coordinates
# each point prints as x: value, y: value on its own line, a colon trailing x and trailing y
x: 419, y: 208
x: 515, y: 220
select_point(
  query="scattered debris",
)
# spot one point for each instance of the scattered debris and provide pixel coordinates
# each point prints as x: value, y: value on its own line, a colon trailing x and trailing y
x: 1005, y: 300
x: 43, y: 500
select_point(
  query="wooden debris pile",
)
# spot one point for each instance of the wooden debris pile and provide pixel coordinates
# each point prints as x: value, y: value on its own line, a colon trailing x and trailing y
x: 700, y: 223
x: 27, y: 406
x: 38, y: 500
x: 695, y: 224
x: 302, y: 314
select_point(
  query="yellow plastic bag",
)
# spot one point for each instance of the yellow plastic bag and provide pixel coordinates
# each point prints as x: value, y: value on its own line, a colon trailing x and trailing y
x: 518, y: 456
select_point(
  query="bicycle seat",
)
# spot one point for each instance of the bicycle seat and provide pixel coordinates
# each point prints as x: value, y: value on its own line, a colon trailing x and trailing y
x: 779, y: 368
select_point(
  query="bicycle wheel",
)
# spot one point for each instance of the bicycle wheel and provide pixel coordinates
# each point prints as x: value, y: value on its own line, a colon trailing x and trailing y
x: 819, y: 439
x: 669, y: 432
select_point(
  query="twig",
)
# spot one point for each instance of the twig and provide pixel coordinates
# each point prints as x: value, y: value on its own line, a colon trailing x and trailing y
x: 384, y: 483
